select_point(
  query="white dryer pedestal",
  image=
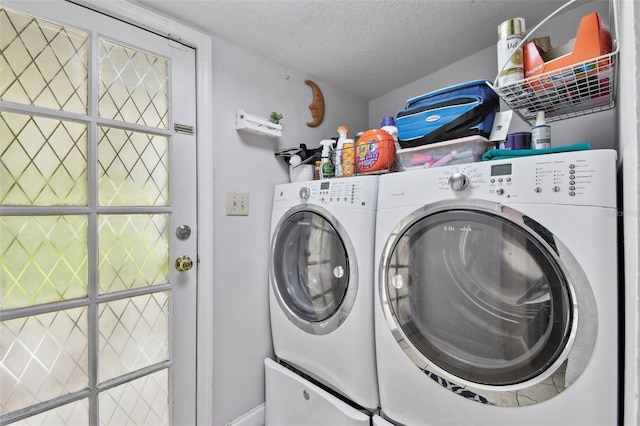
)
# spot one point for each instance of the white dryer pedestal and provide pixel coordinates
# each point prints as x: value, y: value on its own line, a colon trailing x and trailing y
x: 293, y: 401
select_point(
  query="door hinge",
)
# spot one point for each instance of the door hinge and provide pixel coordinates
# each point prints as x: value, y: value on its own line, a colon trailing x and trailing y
x: 183, y: 128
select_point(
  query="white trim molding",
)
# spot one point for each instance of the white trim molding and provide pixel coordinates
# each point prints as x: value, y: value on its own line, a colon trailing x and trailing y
x: 253, y: 417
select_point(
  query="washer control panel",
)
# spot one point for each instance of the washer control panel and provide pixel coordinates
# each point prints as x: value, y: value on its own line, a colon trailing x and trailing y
x: 353, y: 192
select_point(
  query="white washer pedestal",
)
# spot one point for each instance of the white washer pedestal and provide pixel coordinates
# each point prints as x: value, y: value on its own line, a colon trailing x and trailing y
x: 293, y: 401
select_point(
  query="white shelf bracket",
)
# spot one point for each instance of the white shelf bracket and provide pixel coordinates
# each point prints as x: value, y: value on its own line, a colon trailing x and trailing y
x: 257, y: 125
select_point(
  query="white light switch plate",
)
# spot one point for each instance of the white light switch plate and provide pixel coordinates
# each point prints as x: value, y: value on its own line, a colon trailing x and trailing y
x: 237, y: 204
x: 501, y: 124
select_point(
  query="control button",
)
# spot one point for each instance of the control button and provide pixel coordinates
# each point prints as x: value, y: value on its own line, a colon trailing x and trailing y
x: 305, y: 193
x: 499, y: 179
x: 537, y: 189
x: 493, y: 181
x: 571, y: 188
x: 572, y: 166
x: 499, y: 191
x: 322, y: 199
x: 508, y: 179
x: 572, y: 193
x: 572, y: 172
x: 556, y: 189
x: 572, y: 182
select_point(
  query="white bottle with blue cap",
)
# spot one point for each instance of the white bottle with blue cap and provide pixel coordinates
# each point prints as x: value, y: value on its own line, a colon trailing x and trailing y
x: 388, y: 124
x: 540, y: 133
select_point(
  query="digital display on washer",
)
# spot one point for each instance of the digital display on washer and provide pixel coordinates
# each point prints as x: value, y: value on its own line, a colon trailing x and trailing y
x: 501, y: 169
x: 324, y: 185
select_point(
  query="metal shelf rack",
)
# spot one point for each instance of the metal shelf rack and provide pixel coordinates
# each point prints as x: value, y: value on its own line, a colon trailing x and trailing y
x: 575, y: 90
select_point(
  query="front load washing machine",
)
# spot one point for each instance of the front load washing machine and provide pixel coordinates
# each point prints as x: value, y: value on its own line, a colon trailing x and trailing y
x: 321, y: 283
x: 496, y: 298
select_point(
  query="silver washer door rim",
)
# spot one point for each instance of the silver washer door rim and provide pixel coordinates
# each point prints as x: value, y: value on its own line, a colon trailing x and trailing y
x: 339, y: 316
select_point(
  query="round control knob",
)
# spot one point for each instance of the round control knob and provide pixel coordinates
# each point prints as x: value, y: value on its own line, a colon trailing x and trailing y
x: 458, y: 181
x: 305, y: 193
x: 499, y: 191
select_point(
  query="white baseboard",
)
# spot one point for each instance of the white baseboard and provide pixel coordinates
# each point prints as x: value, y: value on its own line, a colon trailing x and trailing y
x: 253, y: 417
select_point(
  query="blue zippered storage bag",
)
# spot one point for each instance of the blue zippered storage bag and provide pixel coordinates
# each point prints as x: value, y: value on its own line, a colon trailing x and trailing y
x: 454, y: 112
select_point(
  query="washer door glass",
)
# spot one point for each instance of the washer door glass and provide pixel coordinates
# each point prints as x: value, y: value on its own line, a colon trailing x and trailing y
x: 479, y: 297
x: 311, y: 266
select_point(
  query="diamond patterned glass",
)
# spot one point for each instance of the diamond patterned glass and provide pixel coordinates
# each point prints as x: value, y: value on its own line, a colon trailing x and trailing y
x: 62, y: 165
x: 74, y: 413
x: 133, y: 167
x: 42, y: 161
x: 138, y: 403
x: 134, y: 333
x: 134, y: 86
x: 42, y: 357
x: 43, y: 259
x: 42, y: 63
x: 134, y: 251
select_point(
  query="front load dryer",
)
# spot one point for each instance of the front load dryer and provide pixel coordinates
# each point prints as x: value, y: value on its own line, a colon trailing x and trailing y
x: 496, y: 298
x: 321, y: 283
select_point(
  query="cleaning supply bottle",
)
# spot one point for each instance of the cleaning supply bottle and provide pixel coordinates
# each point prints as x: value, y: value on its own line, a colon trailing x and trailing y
x: 343, y: 131
x: 388, y: 124
x: 348, y: 158
x: 540, y: 133
x: 326, y: 166
x: 510, y: 55
x: 375, y: 151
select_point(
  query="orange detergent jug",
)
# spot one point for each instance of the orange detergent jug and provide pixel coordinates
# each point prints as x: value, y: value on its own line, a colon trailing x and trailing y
x: 375, y: 151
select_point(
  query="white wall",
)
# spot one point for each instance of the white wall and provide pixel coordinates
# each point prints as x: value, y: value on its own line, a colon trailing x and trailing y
x: 599, y: 129
x: 629, y: 124
x: 246, y: 163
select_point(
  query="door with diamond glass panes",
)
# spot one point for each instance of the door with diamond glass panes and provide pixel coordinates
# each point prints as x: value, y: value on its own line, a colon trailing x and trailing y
x: 97, y: 220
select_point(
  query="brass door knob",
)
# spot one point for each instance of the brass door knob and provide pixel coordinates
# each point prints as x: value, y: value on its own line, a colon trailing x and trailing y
x: 184, y: 263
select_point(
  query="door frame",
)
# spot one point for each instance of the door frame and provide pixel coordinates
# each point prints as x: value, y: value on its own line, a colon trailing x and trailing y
x: 202, y: 42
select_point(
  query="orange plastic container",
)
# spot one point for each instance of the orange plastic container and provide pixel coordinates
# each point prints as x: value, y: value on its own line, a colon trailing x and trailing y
x: 592, y: 40
x: 375, y: 151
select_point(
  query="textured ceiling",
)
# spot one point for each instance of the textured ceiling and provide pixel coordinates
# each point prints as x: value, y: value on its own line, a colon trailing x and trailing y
x: 366, y: 47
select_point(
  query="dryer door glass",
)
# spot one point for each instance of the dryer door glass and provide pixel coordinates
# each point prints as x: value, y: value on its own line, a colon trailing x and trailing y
x: 311, y: 266
x: 479, y: 296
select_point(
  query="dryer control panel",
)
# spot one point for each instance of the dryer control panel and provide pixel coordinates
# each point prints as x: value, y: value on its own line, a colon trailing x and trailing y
x: 578, y: 178
x: 573, y: 178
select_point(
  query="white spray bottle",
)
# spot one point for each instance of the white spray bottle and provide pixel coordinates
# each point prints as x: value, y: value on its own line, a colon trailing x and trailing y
x: 343, y: 131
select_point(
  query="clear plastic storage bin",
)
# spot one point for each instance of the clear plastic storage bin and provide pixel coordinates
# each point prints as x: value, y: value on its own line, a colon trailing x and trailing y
x: 455, y: 151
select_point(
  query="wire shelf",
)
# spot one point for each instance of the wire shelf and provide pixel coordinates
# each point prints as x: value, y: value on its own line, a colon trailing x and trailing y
x: 579, y: 89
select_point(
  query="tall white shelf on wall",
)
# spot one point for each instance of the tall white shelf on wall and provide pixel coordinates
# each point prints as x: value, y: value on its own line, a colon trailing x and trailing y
x: 250, y: 123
